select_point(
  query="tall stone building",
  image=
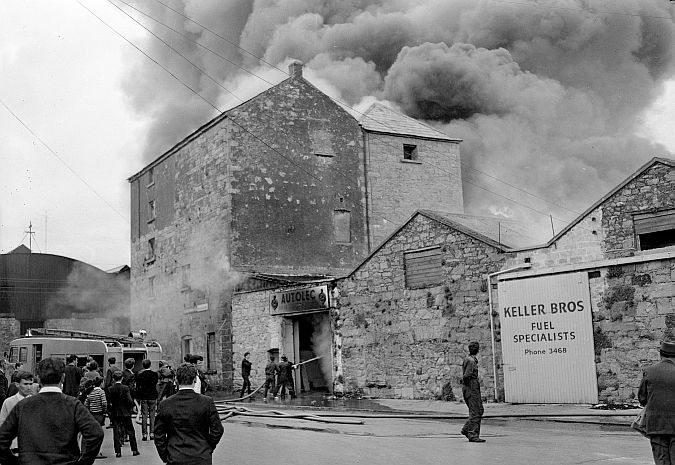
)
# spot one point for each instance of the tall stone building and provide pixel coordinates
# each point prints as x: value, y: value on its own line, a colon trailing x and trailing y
x: 286, y: 184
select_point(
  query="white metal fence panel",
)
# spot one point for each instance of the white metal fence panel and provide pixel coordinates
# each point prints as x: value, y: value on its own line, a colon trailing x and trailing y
x: 547, y: 340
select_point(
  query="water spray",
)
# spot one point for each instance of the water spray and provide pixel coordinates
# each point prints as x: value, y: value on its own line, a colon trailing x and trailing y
x: 307, y: 361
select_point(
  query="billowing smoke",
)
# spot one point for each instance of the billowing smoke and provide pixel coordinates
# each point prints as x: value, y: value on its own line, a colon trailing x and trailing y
x: 91, y: 291
x: 548, y: 96
x: 322, y: 345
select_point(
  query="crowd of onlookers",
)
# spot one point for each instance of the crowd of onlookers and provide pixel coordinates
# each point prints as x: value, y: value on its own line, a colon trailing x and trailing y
x: 87, y: 397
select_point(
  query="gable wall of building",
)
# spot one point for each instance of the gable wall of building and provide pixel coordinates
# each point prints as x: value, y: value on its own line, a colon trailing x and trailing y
x: 297, y: 159
x: 397, y: 187
x: 408, y: 343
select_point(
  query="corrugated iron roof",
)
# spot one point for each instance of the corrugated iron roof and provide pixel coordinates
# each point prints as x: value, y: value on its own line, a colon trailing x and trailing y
x: 380, y: 118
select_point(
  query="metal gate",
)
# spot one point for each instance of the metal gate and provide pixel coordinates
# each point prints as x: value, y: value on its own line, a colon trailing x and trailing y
x: 547, y: 340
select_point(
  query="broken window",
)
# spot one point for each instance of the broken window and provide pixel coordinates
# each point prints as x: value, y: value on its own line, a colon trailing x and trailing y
x: 409, y: 152
x: 655, y: 230
x: 423, y: 267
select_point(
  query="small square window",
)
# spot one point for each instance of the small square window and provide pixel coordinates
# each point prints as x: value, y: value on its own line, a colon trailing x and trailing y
x: 409, y: 152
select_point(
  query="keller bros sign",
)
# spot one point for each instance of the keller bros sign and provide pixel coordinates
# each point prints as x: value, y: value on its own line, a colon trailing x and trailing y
x: 299, y: 300
x: 547, y: 339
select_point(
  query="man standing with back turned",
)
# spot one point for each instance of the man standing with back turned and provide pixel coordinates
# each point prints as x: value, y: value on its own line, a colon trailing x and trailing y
x: 471, y: 394
x: 657, y: 393
x: 48, y: 424
x: 187, y: 426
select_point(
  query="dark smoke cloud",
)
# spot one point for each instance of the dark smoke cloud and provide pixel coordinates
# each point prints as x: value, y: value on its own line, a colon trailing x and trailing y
x: 548, y: 96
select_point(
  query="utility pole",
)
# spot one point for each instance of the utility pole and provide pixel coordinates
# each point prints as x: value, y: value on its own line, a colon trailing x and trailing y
x: 30, y: 236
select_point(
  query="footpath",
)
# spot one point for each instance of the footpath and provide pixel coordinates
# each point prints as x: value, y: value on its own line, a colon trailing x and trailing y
x: 350, y: 411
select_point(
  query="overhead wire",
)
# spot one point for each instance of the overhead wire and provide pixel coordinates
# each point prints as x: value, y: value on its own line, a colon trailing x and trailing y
x: 332, y: 98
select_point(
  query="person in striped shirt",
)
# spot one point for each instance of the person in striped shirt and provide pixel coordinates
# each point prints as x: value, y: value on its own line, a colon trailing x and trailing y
x: 96, y: 402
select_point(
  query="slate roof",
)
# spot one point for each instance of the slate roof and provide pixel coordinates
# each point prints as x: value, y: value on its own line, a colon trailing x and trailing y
x: 509, y: 233
x: 382, y: 119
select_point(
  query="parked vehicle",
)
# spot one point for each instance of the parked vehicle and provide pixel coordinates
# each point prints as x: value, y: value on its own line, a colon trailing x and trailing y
x: 40, y: 343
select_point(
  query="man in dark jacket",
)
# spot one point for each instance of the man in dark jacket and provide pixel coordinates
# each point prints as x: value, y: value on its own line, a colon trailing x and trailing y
x: 71, y: 383
x: 120, y: 406
x: 187, y: 427
x: 112, y: 368
x: 146, y: 393
x: 657, y: 394
x: 271, y: 370
x: 285, y: 378
x: 48, y: 424
x: 471, y: 394
x: 245, y: 374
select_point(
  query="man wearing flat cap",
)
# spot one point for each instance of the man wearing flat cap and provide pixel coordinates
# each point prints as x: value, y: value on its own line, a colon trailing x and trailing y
x: 657, y: 394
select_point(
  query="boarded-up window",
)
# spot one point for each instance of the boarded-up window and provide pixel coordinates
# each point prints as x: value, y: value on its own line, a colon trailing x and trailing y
x: 655, y: 230
x: 342, y: 224
x: 423, y: 267
x: 321, y: 137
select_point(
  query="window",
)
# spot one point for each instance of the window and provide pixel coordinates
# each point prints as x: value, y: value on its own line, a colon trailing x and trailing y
x: 409, y: 152
x: 185, y: 277
x: 211, y: 351
x: 151, y: 249
x: 423, y: 267
x: 151, y: 286
x: 23, y: 354
x: 342, y: 224
x: 151, y: 176
x: 655, y: 230
x: 187, y: 345
x: 152, y: 211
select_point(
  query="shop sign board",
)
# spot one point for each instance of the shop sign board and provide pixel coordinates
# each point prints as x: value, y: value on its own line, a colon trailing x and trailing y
x: 299, y: 300
x: 547, y: 340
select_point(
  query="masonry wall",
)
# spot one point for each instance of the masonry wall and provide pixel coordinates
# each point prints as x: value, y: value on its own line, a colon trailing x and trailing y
x: 408, y: 343
x: 9, y: 330
x: 397, y: 187
x: 632, y: 292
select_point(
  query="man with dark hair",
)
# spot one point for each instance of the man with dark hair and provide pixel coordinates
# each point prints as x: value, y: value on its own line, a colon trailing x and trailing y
x: 48, y: 424
x: 657, y: 394
x: 187, y: 427
x: 285, y: 378
x: 71, y: 384
x: 271, y: 370
x: 112, y: 368
x: 245, y: 374
x: 201, y: 384
x: 146, y: 393
x: 24, y: 385
x: 167, y: 377
x: 471, y: 394
x: 13, y: 387
x: 120, y: 407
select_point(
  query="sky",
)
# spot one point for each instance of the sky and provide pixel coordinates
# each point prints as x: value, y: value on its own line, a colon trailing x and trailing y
x: 557, y: 101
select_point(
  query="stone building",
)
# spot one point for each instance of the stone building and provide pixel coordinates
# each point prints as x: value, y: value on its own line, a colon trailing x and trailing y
x: 618, y: 259
x: 287, y: 183
x: 398, y: 324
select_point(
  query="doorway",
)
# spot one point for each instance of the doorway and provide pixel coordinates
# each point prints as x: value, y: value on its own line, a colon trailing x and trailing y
x: 311, y: 338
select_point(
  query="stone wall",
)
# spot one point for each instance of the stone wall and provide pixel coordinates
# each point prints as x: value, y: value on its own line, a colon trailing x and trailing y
x: 397, y: 187
x: 9, y: 330
x: 408, y: 343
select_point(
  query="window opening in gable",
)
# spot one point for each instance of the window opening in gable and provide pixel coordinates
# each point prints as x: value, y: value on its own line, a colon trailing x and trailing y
x: 151, y: 177
x: 409, y: 152
x: 342, y: 225
x: 655, y: 230
x: 423, y: 268
x: 152, y: 211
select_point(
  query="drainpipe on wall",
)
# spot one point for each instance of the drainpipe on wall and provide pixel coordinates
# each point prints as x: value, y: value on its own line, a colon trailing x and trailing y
x: 492, y: 324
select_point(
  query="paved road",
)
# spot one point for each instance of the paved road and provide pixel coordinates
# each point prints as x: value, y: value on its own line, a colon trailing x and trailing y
x: 420, y: 442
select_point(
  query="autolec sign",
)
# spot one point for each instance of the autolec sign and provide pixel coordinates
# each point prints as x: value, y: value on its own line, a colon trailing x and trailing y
x: 299, y: 300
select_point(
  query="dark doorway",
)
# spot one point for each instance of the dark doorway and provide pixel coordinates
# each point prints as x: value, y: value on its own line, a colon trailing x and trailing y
x: 314, y: 340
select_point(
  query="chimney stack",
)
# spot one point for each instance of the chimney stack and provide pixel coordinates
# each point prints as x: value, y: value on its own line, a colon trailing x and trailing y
x: 295, y: 69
